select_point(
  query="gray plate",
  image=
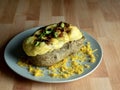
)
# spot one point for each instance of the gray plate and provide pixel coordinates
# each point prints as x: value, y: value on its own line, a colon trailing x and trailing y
x: 14, y: 50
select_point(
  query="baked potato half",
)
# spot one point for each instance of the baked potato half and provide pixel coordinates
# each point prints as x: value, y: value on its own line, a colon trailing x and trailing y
x: 52, y: 43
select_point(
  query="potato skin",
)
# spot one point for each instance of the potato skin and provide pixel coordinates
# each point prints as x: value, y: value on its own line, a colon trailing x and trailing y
x: 55, y: 56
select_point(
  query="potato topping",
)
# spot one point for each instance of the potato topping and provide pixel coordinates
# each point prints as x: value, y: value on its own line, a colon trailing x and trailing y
x: 49, y: 38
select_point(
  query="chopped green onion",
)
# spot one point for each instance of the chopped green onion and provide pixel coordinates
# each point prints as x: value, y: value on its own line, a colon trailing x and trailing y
x: 62, y: 25
x: 56, y: 34
x: 48, y: 31
x: 44, y: 38
x: 41, y: 35
x: 37, y: 43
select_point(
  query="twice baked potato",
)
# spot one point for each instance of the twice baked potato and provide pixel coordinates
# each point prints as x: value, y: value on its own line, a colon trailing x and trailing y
x: 52, y: 43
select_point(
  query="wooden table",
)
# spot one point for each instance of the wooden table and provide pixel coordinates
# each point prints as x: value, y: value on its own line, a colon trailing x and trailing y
x: 100, y: 18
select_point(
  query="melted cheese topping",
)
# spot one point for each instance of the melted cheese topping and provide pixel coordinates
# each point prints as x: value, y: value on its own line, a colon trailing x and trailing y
x: 55, y: 43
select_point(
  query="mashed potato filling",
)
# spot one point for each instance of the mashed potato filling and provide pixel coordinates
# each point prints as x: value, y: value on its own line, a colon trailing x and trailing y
x: 34, y: 46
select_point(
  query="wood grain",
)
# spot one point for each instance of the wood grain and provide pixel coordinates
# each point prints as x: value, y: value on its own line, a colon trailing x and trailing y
x: 100, y: 18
